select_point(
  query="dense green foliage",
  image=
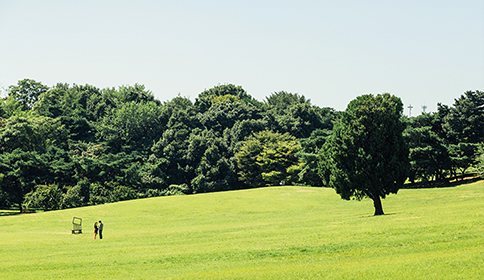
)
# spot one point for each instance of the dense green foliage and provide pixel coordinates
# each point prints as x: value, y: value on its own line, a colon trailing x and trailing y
x: 269, y: 158
x: 480, y: 160
x: 92, y: 145
x: 103, y: 145
x: 443, y: 145
x: 367, y: 155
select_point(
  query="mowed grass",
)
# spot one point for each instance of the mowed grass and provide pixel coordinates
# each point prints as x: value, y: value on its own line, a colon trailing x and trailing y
x: 268, y: 233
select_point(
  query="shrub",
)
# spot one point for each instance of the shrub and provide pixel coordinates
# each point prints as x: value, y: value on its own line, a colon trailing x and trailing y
x: 151, y: 193
x: 98, y: 194
x: 72, y: 198
x: 77, y: 195
x: 46, y: 197
x: 480, y: 161
x: 176, y: 190
x: 120, y: 193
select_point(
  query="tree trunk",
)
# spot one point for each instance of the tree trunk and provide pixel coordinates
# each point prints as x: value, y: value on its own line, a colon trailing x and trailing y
x: 378, y: 206
x: 20, y: 207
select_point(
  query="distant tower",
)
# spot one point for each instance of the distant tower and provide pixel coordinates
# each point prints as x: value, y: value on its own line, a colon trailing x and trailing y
x: 410, y: 107
x: 424, y: 107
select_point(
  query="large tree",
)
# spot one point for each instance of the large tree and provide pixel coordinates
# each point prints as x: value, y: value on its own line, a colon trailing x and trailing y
x: 367, y: 155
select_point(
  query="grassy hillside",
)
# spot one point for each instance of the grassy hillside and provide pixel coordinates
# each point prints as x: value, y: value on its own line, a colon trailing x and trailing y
x: 269, y: 233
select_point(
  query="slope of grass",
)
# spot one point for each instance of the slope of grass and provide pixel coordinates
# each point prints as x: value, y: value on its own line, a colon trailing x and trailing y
x: 268, y: 233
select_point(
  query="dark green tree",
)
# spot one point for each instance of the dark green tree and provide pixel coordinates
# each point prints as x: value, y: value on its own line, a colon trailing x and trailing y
x: 169, y: 161
x: 293, y: 113
x: 20, y: 172
x: 463, y: 156
x: 33, y: 151
x: 223, y: 115
x: 429, y: 157
x: 367, y: 155
x: 462, y: 127
x: 310, y: 153
x: 464, y: 121
x: 214, y: 171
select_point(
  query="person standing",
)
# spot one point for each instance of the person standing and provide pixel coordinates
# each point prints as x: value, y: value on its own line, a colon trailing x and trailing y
x: 95, y: 230
x: 100, y: 229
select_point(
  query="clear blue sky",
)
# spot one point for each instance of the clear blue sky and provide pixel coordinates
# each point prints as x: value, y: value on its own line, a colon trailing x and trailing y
x: 329, y: 51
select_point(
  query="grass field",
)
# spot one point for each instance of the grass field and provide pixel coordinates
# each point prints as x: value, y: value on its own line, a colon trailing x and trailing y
x: 268, y: 233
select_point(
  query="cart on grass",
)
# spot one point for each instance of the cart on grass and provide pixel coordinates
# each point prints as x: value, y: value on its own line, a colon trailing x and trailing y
x: 76, y: 225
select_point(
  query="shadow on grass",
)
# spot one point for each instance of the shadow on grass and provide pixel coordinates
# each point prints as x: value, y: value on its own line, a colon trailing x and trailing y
x: 371, y: 216
x: 431, y: 185
x: 7, y: 212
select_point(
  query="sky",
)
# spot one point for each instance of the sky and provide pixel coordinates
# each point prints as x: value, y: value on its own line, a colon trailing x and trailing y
x: 424, y: 52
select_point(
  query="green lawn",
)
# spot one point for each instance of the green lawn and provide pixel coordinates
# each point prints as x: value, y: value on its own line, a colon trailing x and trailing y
x: 268, y: 233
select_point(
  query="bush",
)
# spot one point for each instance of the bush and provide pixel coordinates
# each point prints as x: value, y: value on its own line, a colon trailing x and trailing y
x: 176, y: 190
x: 151, y: 193
x: 73, y: 198
x: 98, y: 194
x: 4, y: 200
x: 120, y: 193
x: 480, y: 161
x: 78, y: 195
x: 46, y: 197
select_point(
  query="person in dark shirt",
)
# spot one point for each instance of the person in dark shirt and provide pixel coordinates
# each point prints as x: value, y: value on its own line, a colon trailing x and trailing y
x: 95, y: 230
x: 100, y: 230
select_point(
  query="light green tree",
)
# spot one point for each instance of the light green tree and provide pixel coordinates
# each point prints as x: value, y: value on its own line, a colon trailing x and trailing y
x: 47, y: 197
x: 268, y: 158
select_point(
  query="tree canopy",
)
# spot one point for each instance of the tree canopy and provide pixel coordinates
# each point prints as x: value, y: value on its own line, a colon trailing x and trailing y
x: 74, y: 145
x: 367, y: 155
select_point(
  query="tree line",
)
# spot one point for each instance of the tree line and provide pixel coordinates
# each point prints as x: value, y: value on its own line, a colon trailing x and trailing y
x: 74, y: 145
